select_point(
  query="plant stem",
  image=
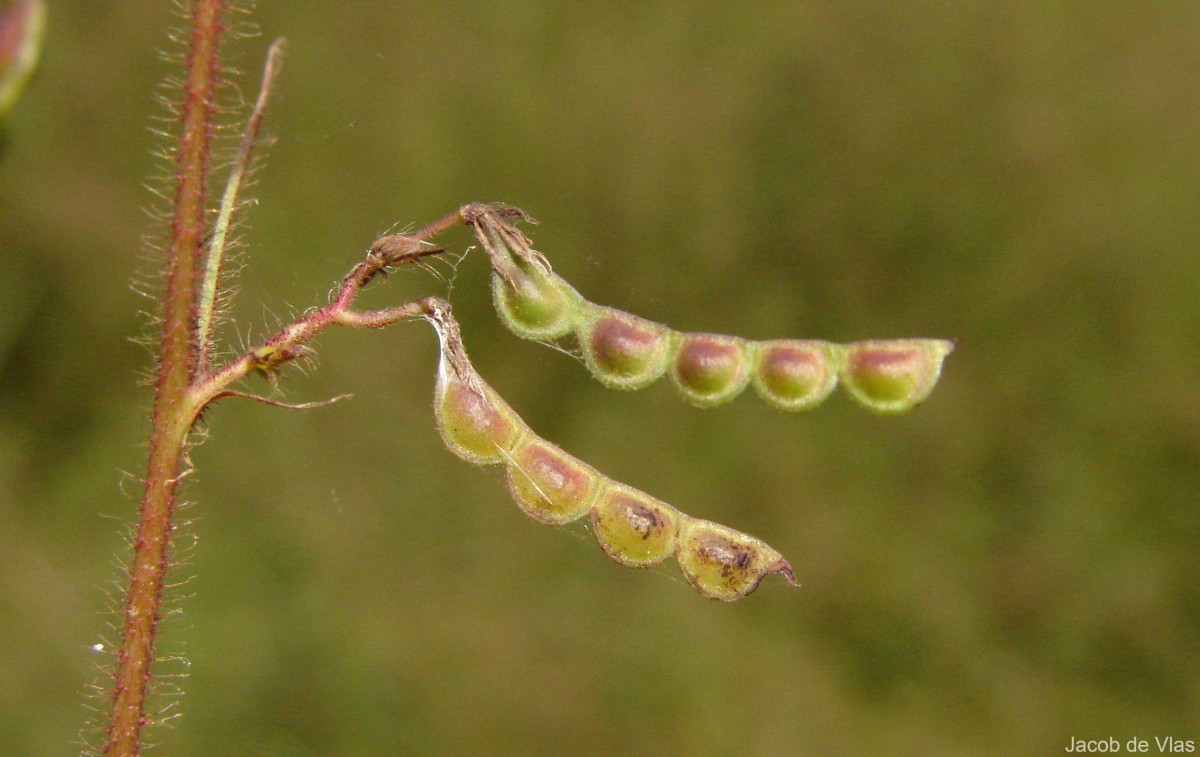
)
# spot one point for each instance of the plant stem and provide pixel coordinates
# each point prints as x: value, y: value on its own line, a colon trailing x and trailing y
x: 177, y: 361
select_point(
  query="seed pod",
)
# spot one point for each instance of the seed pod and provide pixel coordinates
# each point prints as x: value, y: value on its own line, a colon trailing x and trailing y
x: 892, y: 376
x: 548, y: 484
x: 724, y: 564
x: 632, y: 527
x: 796, y: 374
x: 710, y: 369
x: 535, y: 303
x: 474, y: 422
x: 623, y: 351
x: 22, y: 28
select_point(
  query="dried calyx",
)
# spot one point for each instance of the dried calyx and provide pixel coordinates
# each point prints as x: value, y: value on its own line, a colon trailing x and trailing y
x: 553, y: 487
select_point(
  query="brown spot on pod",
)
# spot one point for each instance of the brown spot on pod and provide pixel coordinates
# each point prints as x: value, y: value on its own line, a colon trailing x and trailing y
x: 796, y: 374
x: 474, y: 422
x: 548, y: 484
x: 535, y: 304
x: 624, y: 351
x: 632, y: 527
x: 710, y: 369
x: 725, y: 564
x: 892, y: 376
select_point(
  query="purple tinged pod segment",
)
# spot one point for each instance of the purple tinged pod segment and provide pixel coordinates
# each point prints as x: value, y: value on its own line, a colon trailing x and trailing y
x: 535, y: 303
x: 632, y: 527
x: 22, y: 26
x: 893, y: 376
x: 710, y: 369
x: 549, y: 485
x: 725, y: 564
x: 796, y: 374
x: 474, y: 422
x: 622, y: 350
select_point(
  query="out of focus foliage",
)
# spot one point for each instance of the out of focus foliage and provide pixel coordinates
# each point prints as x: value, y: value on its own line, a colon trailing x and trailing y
x: 1009, y: 566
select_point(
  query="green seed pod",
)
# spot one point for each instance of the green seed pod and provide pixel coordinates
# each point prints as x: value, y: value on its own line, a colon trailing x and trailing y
x: 623, y: 351
x: 893, y: 376
x: 474, y: 422
x: 796, y: 374
x: 632, y: 527
x: 548, y: 484
x: 710, y: 369
x: 535, y: 304
x: 724, y: 564
x: 22, y: 27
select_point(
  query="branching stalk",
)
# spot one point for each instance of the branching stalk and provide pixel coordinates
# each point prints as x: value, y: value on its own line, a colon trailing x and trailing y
x: 185, y: 384
x: 291, y: 341
x: 168, y: 455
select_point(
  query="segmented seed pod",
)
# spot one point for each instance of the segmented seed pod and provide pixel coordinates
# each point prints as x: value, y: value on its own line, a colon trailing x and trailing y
x: 535, y: 303
x: 796, y: 374
x: 632, y: 527
x: 474, y: 422
x: 892, y: 376
x: 622, y: 350
x: 549, y: 485
x: 725, y: 564
x: 710, y: 369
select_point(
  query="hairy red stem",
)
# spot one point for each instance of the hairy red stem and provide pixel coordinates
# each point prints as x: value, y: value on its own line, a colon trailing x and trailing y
x: 177, y: 361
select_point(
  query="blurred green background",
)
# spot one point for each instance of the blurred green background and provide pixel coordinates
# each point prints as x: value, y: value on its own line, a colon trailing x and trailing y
x: 1012, y: 565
